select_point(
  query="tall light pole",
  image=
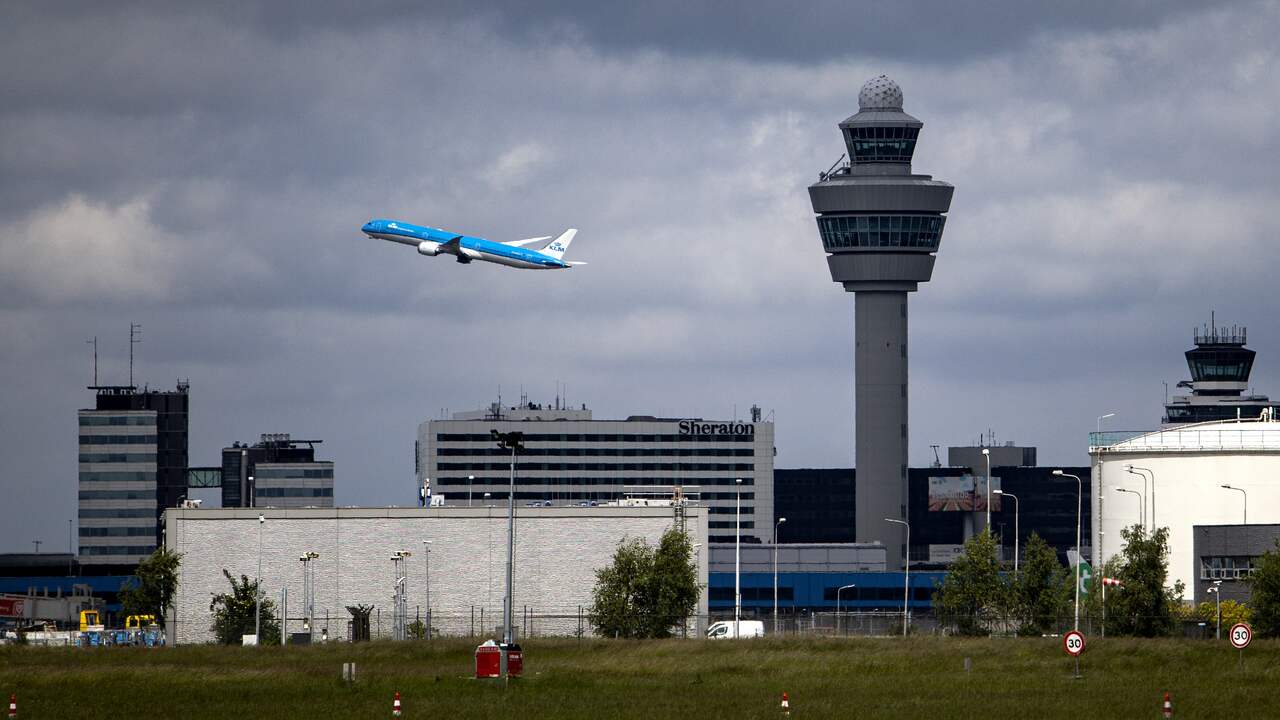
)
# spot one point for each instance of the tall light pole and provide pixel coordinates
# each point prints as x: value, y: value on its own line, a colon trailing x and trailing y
x: 1246, y: 500
x: 257, y: 590
x: 1016, y: 536
x: 426, y: 553
x: 1142, y: 503
x: 515, y: 441
x: 1217, y: 601
x: 840, y: 625
x: 1141, y: 470
x: 737, y: 562
x: 986, y: 455
x: 775, y: 573
x: 1079, y: 551
x: 308, y: 591
x: 1100, y: 419
x: 906, y: 576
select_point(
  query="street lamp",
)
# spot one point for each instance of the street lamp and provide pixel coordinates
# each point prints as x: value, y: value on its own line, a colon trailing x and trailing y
x: 775, y: 573
x: 1246, y: 500
x: 1140, y: 471
x: 257, y: 590
x: 1217, y: 601
x: 1016, y: 536
x: 737, y: 562
x: 986, y: 454
x: 906, y: 576
x: 426, y: 553
x: 1079, y: 550
x: 470, y: 479
x: 1142, y: 502
x: 515, y: 441
x: 840, y: 625
x: 308, y: 591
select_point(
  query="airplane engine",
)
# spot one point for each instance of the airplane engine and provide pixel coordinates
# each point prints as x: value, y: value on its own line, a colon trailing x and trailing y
x: 429, y: 249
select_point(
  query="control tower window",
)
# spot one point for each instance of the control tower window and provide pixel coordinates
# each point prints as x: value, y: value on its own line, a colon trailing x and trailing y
x: 887, y: 231
x: 881, y: 144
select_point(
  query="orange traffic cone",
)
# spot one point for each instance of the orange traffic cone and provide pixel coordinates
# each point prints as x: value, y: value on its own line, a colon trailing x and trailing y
x: 786, y: 705
x: 13, y: 705
x: 395, y: 706
x: 1168, y: 706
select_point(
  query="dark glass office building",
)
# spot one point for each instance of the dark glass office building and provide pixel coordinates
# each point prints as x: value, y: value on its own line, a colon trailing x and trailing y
x: 818, y: 507
x: 277, y: 471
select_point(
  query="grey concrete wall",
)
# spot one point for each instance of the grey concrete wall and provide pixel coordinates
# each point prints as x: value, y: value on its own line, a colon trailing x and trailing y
x: 558, y: 551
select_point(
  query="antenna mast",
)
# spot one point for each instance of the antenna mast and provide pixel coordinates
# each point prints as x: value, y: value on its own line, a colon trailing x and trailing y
x: 94, y: 343
x: 135, y: 337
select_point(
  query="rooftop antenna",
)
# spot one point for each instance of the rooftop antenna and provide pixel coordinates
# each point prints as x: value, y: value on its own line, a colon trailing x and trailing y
x: 94, y: 343
x: 135, y: 337
x: 937, y: 462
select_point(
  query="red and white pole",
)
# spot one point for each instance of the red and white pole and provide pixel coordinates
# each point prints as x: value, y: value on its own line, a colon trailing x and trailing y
x: 1168, y: 706
x: 786, y: 705
x: 13, y: 705
x: 395, y: 706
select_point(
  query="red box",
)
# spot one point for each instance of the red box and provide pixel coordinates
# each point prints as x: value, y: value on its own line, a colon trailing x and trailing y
x: 489, y: 660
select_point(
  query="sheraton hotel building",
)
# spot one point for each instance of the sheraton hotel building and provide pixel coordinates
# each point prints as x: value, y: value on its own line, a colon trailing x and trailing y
x: 570, y: 458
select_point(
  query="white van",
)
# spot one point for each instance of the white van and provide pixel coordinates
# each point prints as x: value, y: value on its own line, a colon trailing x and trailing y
x: 744, y: 629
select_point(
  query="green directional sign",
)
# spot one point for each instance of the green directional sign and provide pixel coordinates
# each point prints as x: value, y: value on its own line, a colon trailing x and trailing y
x: 1086, y: 577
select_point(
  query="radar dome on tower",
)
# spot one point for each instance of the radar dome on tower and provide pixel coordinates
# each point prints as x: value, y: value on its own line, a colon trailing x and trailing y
x: 880, y: 93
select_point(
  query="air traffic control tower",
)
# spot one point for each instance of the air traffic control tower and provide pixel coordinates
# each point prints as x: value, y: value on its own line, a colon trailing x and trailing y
x: 880, y: 225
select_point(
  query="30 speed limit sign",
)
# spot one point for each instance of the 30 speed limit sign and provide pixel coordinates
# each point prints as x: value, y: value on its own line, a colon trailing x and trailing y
x: 1241, y: 634
x: 1073, y: 643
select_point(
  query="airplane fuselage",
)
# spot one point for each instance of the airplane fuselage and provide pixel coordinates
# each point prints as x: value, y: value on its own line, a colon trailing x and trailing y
x: 434, y: 241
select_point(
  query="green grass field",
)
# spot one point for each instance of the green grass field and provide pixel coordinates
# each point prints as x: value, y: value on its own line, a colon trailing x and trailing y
x: 827, y: 678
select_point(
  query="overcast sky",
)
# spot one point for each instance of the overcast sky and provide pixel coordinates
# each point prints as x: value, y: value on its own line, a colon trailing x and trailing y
x: 205, y: 174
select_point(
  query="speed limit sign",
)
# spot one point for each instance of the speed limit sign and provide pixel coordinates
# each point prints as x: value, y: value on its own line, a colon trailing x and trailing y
x: 1073, y: 643
x: 1241, y: 634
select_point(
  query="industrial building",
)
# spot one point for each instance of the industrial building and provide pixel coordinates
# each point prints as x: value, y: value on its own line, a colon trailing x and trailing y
x: 132, y: 464
x: 881, y: 226
x: 571, y: 458
x: 455, y: 583
x: 277, y: 471
x: 1213, y: 473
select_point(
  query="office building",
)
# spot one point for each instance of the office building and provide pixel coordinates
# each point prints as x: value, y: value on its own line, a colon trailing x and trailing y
x: 880, y: 226
x: 1226, y: 555
x: 571, y: 458
x: 132, y: 464
x: 942, y: 502
x: 277, y: 471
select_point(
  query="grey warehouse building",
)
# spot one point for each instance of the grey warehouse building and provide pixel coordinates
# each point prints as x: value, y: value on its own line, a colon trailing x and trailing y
x: 572, y: 459
x: 1225, y: 554
x: 458, y: 586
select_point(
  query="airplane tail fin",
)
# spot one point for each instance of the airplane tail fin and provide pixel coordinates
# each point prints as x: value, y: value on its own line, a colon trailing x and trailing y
x: 558, y: 246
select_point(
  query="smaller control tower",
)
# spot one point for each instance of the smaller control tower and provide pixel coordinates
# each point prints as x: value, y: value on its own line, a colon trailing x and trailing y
x: 880, y: 225
x: 1220, y: 365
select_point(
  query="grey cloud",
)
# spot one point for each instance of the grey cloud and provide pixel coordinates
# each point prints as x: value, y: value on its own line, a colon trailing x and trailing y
x: 1109, y: 192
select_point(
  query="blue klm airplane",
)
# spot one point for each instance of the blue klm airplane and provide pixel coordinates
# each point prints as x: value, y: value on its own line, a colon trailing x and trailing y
x: 434, y: 241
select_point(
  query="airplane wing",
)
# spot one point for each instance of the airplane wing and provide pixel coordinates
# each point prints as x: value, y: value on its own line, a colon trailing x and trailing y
x: 451, y: 246
x: 518, y: 243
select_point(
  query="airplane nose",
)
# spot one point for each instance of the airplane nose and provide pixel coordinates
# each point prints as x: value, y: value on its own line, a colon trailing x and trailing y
x: 368, y: 227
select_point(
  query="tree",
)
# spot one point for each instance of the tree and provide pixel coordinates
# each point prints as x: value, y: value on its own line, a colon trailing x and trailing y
x: 151, y: 589
x: 233, y: 613
x: 1265, y: 599
x: 645, y: 592
x: 1043, y: 589
x: 973, y: 597
x: 1144, y: 606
